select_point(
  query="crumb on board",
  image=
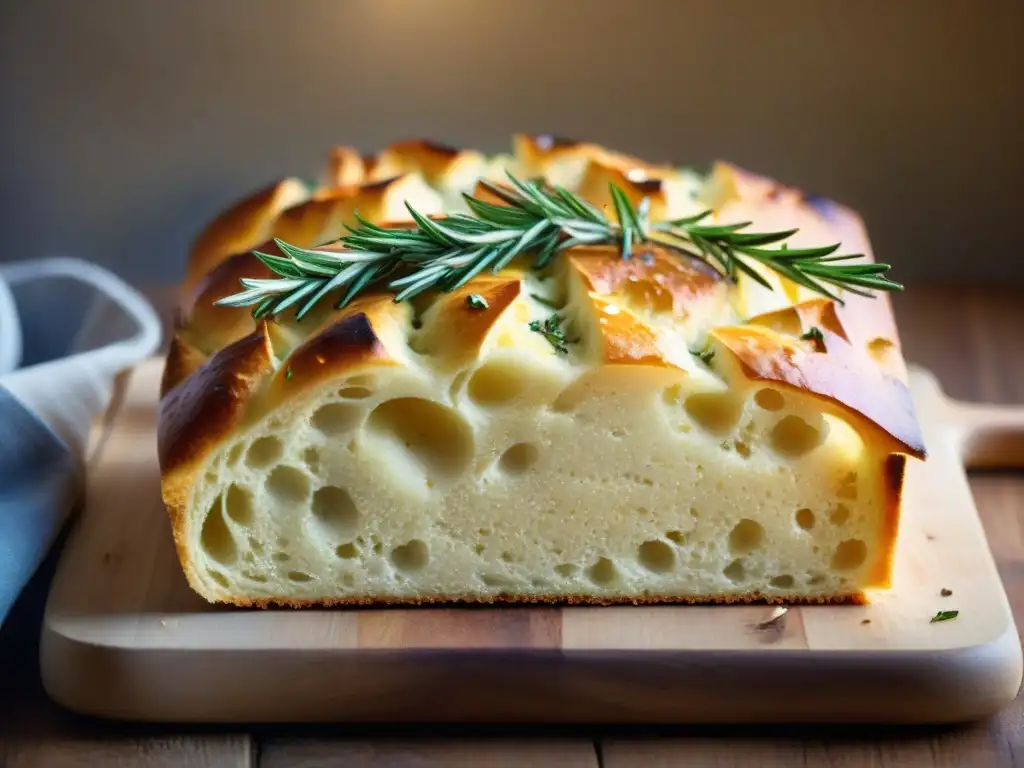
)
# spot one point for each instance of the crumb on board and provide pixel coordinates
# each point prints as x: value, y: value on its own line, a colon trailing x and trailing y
x: 775, y: 619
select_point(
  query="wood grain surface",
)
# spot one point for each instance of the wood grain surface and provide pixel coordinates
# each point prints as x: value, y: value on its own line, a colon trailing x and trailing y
x: 970, y: 337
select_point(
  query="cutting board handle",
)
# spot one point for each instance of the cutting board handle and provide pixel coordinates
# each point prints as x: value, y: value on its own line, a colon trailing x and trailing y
x: 989, y: 436
x: 986, y: 436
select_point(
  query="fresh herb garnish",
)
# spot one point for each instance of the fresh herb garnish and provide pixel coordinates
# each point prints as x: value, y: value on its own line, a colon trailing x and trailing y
x: 706, y: 356
x: 288, y: 374
x: 944, y: 616
x: 448, y: 252
x: 814, y: 334
x: 476, y: 301
x: 551, y: 329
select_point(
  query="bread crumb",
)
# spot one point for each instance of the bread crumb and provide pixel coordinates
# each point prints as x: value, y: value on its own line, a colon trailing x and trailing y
x: 866, y: 621
x: 946, y: 592
x: 775, y: 619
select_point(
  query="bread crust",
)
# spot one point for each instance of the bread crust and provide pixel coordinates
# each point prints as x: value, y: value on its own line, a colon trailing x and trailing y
x: 795, y: 599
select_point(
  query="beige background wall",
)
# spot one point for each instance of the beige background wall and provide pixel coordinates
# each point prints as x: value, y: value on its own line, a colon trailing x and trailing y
x: 126, y: 123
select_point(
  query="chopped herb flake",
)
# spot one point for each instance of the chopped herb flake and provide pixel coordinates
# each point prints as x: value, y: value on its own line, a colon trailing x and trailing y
x: 476, y: 301
x: 551, y: 329
x: 815, y: 335
x: 944, y: 616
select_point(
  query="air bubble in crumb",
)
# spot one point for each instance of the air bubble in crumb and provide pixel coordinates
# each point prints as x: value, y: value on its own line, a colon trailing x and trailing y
x: 840, y: 515
x: 850, y: 554
x: 311, y: 458
x: 218, y: 577
x: 288, y: 485
x: 770, y: 399
x: 519, y: 458
x: 347, y: 551
x: 784, y: 581
x: 566, y: 570
x: 714, y: 411
x: 354, y: 393
x: 336, y: 418
x: 735, y: 572
x: 603, y: 572
x: 264, y: 452
x: 805, y: 518
x: 671, y: 395
x: 299, y: 576
x: 676, y: 536
x: 216, y: 538
x: 495, y: 580
x: 235, y: 454
x: 410, y: 557
x: 496, y: 384
x: 435, y: 437
x: 238, y: 505
x: 793, y: 436
x: 656, y: 556
x: 745, y: 536
x: 335, y: 512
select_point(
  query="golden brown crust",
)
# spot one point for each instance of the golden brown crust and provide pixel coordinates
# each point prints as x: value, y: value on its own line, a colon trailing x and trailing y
x: 345, y: 168
x: 877, y: 401
x: 241, y: 227
x: 794, y: 599
x: 210, y: 326
x: 433, y: 160
x: 182, y: 361
x: 454, y: 331
x: 349, y: 341
x: 652, y: 278
x: 893, y: 474
x: 195, y: 415
x: 800, y: 319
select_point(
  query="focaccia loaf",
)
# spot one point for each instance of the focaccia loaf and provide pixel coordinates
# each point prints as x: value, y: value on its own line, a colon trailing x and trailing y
x: 699, y: 440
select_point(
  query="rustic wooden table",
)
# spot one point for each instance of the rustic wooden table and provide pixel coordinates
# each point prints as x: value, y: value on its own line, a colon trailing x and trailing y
x: 969, y: 337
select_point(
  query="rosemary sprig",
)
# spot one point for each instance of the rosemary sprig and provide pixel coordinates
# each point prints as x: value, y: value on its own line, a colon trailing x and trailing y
x: 446, y: 253
x: 551, y: 329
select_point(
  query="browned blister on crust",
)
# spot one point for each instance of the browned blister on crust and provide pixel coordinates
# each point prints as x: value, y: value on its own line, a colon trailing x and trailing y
x: 879, y: 402
x: 241, y: 227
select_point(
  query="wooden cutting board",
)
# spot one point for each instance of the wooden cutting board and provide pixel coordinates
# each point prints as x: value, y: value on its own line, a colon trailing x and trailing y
x: 125, y: 637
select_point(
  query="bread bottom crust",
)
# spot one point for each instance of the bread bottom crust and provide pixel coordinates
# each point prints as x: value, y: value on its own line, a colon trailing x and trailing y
x: 850, y: 598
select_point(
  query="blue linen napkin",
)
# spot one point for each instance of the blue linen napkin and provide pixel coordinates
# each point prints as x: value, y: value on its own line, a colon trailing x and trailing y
x: 48, y: 405
x: 38, y: 472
